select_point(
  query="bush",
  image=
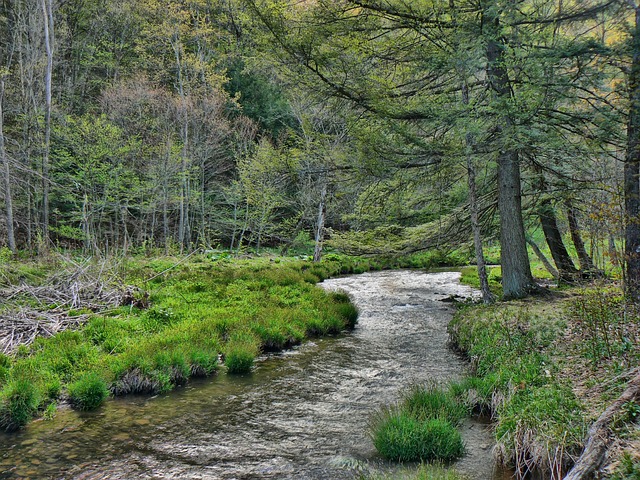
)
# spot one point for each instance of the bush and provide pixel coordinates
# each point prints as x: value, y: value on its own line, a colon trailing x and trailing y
x: 19, y: 402
x: 399, y: 436
x: 88, y: 393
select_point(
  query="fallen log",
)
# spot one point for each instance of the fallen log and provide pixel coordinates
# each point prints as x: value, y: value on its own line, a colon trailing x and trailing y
x: 600, y: 434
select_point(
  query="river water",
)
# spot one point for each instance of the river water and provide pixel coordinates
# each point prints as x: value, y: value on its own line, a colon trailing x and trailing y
x: 301, y: 414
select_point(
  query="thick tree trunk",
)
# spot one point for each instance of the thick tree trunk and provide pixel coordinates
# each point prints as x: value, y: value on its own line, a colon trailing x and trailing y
x: 632, y: 174
x: 8, y: 200
x: 586, y: 264
x: 517, y: 280
x: 564, y: 263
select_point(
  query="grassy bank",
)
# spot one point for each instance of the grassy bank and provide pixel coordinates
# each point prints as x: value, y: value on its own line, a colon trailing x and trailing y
x: 183, y: 320
x: 545, y: 368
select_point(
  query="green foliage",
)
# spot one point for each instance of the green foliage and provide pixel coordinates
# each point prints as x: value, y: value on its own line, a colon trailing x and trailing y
x: 399, y: 436
x: 431, y: 471
x: 88, y: 393
x: 607, y: 326
x: 200, y: 311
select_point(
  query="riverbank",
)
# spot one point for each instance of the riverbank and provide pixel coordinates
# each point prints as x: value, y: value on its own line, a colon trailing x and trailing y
x: 146, y: 326
x: 545, y: 368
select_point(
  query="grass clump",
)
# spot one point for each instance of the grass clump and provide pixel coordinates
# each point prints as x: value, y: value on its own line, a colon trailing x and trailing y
x: 19, y: 402
x: 400, y: 436
x: 240, y: 353
x: 421, y: 427
x: 88, y: 393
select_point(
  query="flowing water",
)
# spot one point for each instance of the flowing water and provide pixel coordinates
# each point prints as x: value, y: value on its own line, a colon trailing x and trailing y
x: 301, y: 414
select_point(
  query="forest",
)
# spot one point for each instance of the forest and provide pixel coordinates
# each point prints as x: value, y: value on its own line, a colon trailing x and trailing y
x: 146, y: 138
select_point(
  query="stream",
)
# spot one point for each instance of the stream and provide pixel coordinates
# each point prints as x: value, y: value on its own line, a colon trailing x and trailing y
x: 301, y: 414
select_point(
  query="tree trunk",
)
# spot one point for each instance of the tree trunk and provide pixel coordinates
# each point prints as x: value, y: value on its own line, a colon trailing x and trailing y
x: 517, y: 280
x: 586, y: 264
x: 632, y: 174
x: 487, y: 296
x: 545, y: 261
x: 564, y: 263
x: 47, y: 12
x: 322, y: 210
x: 8, y: 201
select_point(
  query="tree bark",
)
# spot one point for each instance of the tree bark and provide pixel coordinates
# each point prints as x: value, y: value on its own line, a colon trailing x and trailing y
x: 632, y: 174
x: 487, y: 296
x: 8, y: 201
x: 564, y: 263
x: 517, y: 280
x: 545, y: 261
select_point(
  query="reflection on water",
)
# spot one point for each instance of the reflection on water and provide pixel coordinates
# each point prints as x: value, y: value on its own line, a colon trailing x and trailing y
x: 300, y: 415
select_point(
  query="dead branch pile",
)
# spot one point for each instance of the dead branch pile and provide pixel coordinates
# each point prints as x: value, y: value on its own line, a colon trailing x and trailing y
x: 23, y: 325
x: 31, y: 311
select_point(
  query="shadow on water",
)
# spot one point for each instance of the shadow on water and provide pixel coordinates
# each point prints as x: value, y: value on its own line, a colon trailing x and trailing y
x: 301, y: 414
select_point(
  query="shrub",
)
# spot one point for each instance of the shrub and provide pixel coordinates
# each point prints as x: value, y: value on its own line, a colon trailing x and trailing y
x: 19, y: 402
x: 399, y: 436
x: 88, y: 392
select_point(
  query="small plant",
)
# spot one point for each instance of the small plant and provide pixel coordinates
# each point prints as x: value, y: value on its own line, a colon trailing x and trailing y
x: 431, y: 401
x: 88, y: 393
x: 629, y: 468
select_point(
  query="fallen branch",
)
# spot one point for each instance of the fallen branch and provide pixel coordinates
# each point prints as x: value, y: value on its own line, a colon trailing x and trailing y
x: 600, y: 434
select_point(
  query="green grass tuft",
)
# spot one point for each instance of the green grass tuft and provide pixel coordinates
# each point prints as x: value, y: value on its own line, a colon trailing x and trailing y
x: 400, y: 436
x: 19, y: 402
x: 88, y: 393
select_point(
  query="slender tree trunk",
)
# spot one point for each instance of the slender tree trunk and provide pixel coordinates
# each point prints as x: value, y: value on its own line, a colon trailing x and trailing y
x: 517, y: 280
x: 322, y: 210
x: 8, y: 201
x: 632, y: 173
x: 47, y: 12
x: 487, y: 296
x: 545, y: 261
x: 586, y: 264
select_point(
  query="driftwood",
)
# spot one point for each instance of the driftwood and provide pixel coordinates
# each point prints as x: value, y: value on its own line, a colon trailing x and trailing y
x: 600, y: 434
